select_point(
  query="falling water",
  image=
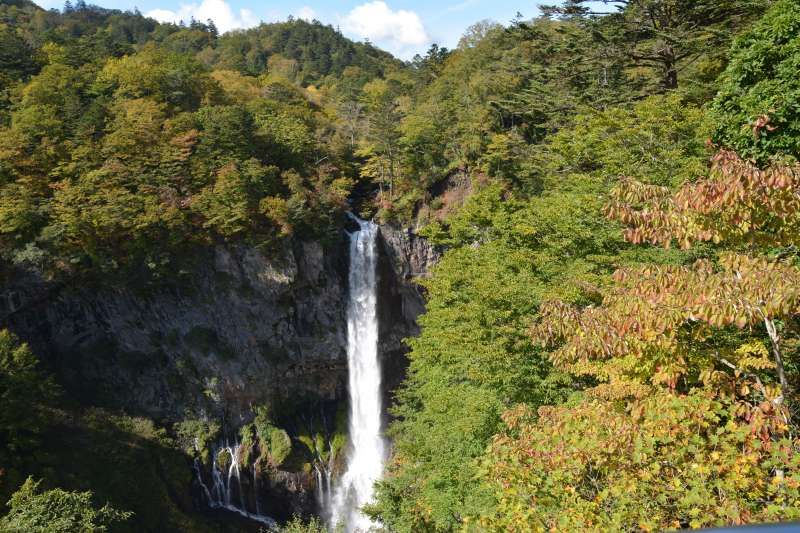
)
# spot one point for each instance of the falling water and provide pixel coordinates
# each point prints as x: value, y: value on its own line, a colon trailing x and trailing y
x: 320, y: 488
x: 367, y: 453
x: 221, y: 494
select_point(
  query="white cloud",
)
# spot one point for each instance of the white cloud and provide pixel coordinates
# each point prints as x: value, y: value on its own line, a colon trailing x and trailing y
x: 50, y: 4
x: 306, y: 13
x: 400, y: 31
x: 217, y: 10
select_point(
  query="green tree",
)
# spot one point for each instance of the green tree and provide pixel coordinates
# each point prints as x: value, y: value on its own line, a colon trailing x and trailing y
x: 169, y: 78
x: 226, y: 135
x: 381, y: 145
x: 57, y: 511
x: 25, y: 393
x: 665, y: 36
x: 474, y: 357
x: 508, y: 253
x: 756, y: 110
x: 660, y: 139
x: 17, y: 59
x: 231, y: 205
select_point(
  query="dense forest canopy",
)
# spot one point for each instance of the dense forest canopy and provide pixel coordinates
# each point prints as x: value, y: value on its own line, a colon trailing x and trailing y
x: 120, y: 133
x: 611, y: 336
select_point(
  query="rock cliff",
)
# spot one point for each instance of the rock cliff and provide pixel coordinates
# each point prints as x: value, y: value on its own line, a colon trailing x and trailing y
x: 405, y: 258
x: 243, y: 328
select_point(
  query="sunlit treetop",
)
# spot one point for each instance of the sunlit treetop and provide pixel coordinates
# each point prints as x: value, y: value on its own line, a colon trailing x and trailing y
x: 738, y: 203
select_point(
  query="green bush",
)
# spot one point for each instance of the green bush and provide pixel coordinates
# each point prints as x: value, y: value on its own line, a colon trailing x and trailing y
x: 275, y: 442
x: 280, y: 445
x: 200, y: 434
x: 57, y: 511
x: 298, y: 525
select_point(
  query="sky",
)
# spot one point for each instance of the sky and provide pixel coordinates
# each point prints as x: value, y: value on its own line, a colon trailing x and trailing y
x: 402, y: 27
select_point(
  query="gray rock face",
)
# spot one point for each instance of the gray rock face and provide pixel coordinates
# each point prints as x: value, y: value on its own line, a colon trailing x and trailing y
x: 243, y: 329
x: 405, y: 257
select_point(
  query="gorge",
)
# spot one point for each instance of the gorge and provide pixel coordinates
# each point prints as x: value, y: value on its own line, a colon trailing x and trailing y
x: 546, y: 278
x: 243, y: 330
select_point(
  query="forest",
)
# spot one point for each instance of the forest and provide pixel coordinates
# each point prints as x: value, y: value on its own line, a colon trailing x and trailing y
x: 611, y: 339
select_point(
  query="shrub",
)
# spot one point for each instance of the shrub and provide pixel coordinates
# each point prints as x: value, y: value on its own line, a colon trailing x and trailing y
x: 57, y: 511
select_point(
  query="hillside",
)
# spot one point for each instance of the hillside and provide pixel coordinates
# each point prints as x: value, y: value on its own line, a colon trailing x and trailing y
x: 132, y: 154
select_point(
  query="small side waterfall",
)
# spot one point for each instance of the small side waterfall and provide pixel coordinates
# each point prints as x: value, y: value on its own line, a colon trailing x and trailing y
x: 226, y: 487
x: 368, y: 449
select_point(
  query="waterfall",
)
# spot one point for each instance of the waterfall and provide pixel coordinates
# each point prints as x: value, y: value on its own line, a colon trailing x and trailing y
x: 320, y: 488
x: 255, y: 490
x: 221, y: 495
x: 367, y: 452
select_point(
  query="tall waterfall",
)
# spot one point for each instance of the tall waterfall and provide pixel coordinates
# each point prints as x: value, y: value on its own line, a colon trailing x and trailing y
x: 368, y: 450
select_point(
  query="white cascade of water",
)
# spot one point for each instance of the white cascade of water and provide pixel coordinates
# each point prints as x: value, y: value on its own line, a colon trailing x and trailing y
x: 367, y: 452
x: 199, y: 473
x: 255, y: 489
x: 320, y: 488
x: 323, y: 471
x: 221, y: 494
x: 328, y: 483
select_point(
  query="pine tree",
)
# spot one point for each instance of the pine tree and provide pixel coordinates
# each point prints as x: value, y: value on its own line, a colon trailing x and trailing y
x: 212, y: 28
x: 663, y: 35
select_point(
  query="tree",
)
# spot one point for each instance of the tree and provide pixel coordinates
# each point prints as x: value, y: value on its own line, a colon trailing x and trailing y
x: 168, y: 78
x: 25, y: 393
x: 231, y: 205
x: 17, y: 59
x: 740, y: 205
x: 507, y: 252
x: 427, y: 68
x: 351, y: 119
x: 664, y: 35
x: 212, y: 28
x: 756, y: 109
x: 474, y: 358
x: 57, y: 511
x: 662, y: 463
x: 687, y: 423
x: 381, y: 147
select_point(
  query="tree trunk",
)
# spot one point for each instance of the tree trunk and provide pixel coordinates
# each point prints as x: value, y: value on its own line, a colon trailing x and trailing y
x: 776, y: 352
x: 670, y: 75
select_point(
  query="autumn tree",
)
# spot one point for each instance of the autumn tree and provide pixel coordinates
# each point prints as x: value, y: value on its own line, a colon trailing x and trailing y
x: 671, y: 348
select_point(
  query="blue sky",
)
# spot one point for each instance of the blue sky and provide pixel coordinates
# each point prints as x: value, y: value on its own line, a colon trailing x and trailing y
x: 403, y: 27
